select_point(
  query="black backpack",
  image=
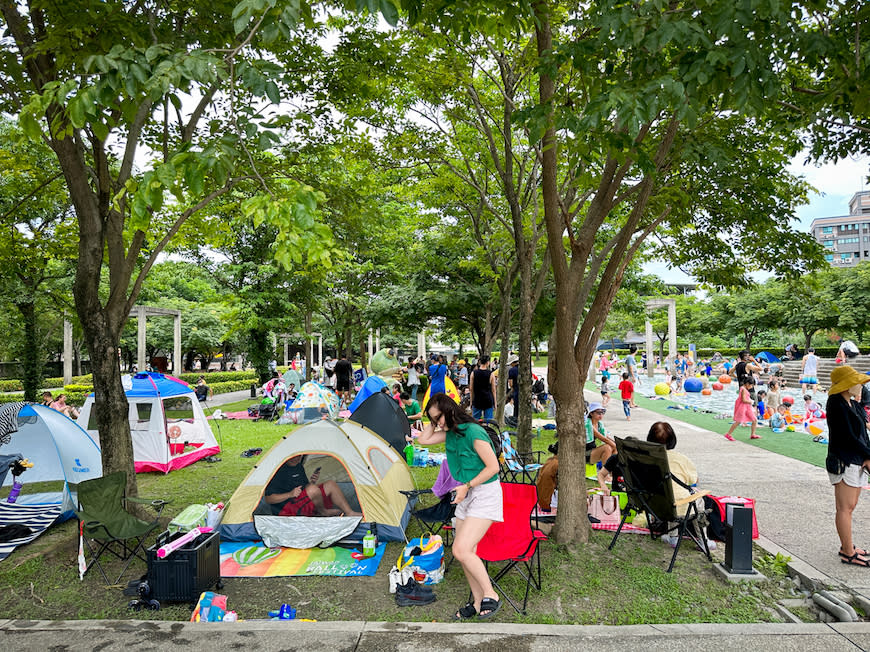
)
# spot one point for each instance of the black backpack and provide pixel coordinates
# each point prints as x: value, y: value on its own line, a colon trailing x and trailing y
x: 494, y: 438
x: 538, y: 386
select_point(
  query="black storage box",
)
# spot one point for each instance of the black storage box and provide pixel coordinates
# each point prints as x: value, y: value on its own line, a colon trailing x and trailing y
x: 188, y: 571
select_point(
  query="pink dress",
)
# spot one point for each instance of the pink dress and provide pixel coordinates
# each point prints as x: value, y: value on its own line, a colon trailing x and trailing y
x: 743, y: 412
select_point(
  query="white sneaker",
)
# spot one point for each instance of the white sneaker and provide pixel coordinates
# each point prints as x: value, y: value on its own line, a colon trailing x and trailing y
x: 711, y: 545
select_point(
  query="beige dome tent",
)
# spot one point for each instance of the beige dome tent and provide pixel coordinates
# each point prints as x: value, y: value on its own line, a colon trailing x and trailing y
x: 370, y: 473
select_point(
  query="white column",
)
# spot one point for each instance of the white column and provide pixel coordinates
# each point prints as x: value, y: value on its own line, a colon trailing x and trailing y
x: 650, y: 355
x: 67, y: 351
x: 378, y: 339
x: 672, y: 330
x: 140, y: 341
x: 177, y: 364
x: 286, y: 353
x: 371, y: 353
x: 320, y: 350
x: 421, y: 344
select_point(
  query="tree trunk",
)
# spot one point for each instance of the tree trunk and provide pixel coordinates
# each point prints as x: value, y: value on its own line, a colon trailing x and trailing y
x: 309, y: 348
x: 503, y: 368
x: 524, y: 406
x: 32, y: 356
x: 110, y: 401
x: 566, y: 380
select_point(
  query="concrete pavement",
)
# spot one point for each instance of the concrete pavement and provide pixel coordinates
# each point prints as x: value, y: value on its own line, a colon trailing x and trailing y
x: 78, y: 636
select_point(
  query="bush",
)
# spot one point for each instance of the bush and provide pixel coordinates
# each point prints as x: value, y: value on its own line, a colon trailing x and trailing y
x: 231, y: 386
x: 86, y: 389
x: 214, y: 377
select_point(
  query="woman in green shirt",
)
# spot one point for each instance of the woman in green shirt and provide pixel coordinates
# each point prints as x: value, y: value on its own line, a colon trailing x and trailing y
x: 473, y: 462
x: 595, y: 433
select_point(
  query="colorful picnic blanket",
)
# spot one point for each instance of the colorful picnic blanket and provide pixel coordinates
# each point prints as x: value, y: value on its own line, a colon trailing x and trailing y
x: 247, y: 559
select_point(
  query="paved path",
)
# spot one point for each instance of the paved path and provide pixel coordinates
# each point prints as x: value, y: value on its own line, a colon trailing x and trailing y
x: 376, y: 637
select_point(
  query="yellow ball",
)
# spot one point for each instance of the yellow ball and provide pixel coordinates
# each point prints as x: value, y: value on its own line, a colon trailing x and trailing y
x: 662, y: 389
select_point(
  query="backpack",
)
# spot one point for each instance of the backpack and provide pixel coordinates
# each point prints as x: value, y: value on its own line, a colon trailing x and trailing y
x: 538, y: 386
x: 494, y: 438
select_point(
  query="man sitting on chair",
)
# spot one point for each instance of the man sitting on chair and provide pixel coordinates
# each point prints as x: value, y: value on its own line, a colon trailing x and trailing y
x: 292, y: 493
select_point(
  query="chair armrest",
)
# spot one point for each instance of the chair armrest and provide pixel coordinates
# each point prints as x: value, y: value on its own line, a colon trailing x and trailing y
x: 691, y: 497
x: 157, y: 503
x: 414, y: 493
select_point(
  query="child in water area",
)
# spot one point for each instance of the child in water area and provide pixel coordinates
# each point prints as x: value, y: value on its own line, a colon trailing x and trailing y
x: 811, y: 408
x: 605, y: 389
x: 778, y: 419
x: 761, y: 406
x: 744, y: 411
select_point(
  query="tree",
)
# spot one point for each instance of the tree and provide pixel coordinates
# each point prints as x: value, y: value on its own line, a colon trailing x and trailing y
x: 105, y: 83
x: 37, y: 246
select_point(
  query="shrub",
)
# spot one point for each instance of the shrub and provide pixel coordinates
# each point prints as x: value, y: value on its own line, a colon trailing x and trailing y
x: 214, y: 377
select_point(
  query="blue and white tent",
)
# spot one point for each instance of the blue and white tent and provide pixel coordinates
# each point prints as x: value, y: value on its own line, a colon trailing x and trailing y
x: 62, y: 454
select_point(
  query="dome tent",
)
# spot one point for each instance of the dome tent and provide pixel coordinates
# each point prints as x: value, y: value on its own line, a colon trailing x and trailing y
x: 313, y: 402
x: 167, y: 425
x: 381, y: 414
x: 62, y: 455
x: 370, y: 473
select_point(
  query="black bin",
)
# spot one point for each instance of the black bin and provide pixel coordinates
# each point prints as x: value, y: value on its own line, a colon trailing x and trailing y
x: 186, y: 572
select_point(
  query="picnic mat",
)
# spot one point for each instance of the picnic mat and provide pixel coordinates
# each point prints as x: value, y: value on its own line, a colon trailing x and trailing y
x: 612, y: 527
x: 236, y: 415
x: 34, y: 519
x: 244, y: 559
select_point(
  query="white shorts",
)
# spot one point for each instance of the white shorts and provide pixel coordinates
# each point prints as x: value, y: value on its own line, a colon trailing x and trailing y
x: 854, y: 476
x: 483, y: 501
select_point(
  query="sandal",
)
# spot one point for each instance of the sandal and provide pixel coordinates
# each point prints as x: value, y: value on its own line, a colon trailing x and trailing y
x: 858, y: 551
x: 855, y: 560
x: 466, y: 612
x: 755, y: 436
x: 489, y: 607
x: 730, y: 438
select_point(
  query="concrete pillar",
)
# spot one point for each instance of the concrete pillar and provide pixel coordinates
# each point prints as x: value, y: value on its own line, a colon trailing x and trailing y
x: 140, y: 341
x: 177, y: 363
x: 421, y: 345
x: 67, y: 351
x: 320, y: 349
x: 672, y: 330
x: 286, y: 352
x: 371, y: 352
x: 378, y: 339
x: 650, y: 355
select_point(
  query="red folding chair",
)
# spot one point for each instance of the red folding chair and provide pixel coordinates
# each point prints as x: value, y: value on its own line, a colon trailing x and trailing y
x: 514, y: 541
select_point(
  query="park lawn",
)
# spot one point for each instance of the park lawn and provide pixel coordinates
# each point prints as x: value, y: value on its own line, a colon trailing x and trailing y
x: 797, y: 445
x: 584, y: 584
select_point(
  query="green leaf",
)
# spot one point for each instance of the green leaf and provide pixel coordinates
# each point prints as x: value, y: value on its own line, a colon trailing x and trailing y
x: 390, y: 12
x: 272, y: 92
x: 76, y: 112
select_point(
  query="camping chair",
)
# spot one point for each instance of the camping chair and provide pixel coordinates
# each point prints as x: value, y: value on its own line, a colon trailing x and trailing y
x: 102, y: 510
x: 648, y: 485
x: 516, y: 467
x: 514, y: 541
x: 436, y: 518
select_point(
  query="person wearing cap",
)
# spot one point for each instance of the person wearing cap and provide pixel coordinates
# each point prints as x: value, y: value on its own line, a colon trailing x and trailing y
x: 598, y: 444
x: 461, y: 376
x: 848, y: 459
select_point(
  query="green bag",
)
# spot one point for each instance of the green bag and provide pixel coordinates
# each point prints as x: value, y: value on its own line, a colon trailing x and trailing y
x: 192, y: 516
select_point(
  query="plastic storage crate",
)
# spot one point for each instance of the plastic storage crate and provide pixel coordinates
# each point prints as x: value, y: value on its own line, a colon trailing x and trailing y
x: 188, y: 571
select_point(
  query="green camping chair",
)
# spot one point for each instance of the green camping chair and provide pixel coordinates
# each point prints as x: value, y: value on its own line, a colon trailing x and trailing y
x: 102, y: 511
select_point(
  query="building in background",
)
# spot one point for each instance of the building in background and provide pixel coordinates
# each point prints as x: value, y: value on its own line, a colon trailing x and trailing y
x: 846, y: 238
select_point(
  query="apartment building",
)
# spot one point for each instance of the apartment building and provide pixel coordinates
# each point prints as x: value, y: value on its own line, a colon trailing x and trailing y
x: 846, y: 238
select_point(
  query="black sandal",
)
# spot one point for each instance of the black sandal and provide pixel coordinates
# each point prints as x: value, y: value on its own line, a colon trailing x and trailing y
x: 466, y: 612
x: 858, y: 551
x: 489, y: 606
x: 854, y: 560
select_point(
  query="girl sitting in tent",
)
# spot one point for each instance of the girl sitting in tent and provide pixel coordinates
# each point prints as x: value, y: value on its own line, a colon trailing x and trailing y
x: 292, y: 493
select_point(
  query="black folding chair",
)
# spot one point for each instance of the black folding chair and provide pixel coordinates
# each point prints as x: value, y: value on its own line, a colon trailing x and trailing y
x: 434, y: 519
x: 648, y: 484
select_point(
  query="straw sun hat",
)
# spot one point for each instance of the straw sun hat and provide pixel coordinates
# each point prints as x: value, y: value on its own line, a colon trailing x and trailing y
x: 842, y: 378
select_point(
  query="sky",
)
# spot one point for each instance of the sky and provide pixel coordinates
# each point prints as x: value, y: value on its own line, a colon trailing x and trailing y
x: 835, y: 183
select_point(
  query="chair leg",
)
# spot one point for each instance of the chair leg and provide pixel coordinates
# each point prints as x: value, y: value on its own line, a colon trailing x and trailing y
x: 95, y: 559
x: 618, y: 530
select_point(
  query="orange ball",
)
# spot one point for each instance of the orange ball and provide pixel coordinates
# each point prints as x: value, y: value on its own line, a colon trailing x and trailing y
x: 724, y: 379
x: 706, y: 392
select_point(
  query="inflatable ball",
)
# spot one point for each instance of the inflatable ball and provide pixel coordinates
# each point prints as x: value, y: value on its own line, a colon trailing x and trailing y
x: 788, y: 399
x: 724, y: 379
x: 717, y: 386
x: 706, y: 392
x: 662, y: 389
x: 692, y: 385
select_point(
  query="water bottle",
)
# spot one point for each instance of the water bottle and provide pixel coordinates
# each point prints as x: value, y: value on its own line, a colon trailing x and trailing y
x: 538, y: 433
x: 14, y: 492
x: 409, y: 454
x: 370, y: 542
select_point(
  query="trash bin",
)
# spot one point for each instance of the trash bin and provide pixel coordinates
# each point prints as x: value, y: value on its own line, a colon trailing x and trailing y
x: 738, y: 540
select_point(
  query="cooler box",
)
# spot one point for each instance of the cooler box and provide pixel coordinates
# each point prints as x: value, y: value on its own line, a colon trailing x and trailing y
x: 186, y: 572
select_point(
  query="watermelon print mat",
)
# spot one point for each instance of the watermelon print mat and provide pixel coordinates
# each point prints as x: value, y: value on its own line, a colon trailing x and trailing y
x: 246, y: 559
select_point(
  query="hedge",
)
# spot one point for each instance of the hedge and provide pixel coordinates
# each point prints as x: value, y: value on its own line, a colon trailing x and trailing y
x: 214, y: 377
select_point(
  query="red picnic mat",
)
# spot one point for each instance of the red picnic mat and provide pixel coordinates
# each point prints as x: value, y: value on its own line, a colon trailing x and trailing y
x: 612, y: 527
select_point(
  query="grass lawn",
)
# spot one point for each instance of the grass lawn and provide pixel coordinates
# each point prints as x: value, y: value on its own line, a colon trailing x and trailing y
x: 797, y: 445
x: 586, y: 584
